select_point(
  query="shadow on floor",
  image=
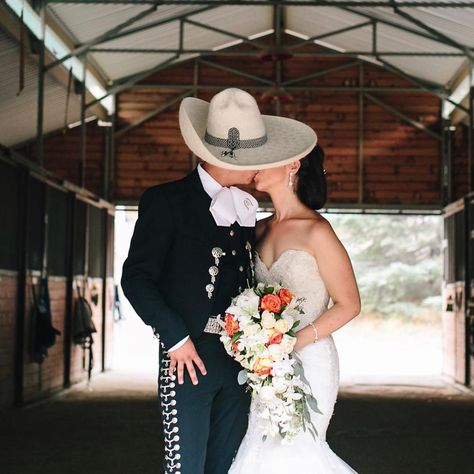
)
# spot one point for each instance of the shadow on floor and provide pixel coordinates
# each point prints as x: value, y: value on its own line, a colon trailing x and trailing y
x: 114, y: 427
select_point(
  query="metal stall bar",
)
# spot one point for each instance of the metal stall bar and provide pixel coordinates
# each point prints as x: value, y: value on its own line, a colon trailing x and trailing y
x: 446, y: 164
x: 361, y: 125
x: 195, y: 94
x: 470, y: 136
x: 71, y: 238
x: 295, y: 3
x: 82, y: 143
x: 41, y: 73
x: 23, y: 257
x: 277, y: 27
x: 256, y: 54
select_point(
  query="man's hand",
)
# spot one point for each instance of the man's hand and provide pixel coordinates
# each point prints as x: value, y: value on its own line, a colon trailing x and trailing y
x: 186, y: 355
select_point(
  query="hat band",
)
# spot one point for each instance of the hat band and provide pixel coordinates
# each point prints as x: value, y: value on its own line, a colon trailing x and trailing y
x: 233, y: 141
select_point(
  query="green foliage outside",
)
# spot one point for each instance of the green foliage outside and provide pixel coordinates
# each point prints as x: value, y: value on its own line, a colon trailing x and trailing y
x: 397, y: 261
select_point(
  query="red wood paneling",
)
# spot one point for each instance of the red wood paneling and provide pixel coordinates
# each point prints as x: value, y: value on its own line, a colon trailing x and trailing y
x: 8, y: 309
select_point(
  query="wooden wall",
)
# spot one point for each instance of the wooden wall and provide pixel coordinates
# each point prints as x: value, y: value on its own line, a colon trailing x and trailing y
x: 373, y: 156
x: 53, y: 225
x: 62, y: 156
x: 460, y: 161
x: 401, y: 164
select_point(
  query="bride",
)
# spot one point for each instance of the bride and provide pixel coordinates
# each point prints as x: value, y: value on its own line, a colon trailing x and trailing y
x: 298, y: 248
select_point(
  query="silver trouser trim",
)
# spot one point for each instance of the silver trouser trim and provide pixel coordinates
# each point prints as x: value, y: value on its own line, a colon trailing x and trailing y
x: 170, y: 416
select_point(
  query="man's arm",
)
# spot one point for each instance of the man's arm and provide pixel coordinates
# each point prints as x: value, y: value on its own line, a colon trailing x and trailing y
x: 151, y: 241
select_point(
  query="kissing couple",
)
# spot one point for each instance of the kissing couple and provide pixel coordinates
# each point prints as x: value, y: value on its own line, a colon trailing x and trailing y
x: 196, y: 245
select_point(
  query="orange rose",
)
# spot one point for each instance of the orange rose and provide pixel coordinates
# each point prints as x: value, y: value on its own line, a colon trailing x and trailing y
x: 235, y: 346
x: 231, y: 325
x: 271, y: 303
x: 275, y: 339
x: 263, y: 366
x: 285, y: 295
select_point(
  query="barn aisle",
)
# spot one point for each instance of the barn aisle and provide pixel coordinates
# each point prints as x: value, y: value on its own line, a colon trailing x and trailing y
x: 113, y: 427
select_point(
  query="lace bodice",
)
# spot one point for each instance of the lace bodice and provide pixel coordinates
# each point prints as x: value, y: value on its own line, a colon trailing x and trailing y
x: 298, y: 271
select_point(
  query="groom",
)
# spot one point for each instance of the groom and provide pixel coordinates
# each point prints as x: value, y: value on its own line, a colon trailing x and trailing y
x: 190, y: 253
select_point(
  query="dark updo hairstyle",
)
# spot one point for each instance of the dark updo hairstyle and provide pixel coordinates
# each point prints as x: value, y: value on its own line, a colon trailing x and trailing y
x: 311, y: 182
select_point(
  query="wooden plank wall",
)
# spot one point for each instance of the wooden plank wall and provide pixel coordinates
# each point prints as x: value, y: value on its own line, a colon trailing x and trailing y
x: 24, y: 380
x: 401, y: 163
x: 460, y: 161
x: 62, y: 156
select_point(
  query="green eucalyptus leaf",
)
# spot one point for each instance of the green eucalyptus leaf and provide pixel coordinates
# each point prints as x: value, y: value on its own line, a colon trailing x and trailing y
x: 313, y: 404
x: 236, y: 336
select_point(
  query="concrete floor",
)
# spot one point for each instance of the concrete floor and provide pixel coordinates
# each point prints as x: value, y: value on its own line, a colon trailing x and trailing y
x: 113, y: 427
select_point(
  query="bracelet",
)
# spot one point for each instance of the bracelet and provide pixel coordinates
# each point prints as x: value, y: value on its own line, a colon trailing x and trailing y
x: 316, y: 337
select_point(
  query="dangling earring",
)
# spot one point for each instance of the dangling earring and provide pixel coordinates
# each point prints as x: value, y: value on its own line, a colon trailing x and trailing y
x: 290, y: 181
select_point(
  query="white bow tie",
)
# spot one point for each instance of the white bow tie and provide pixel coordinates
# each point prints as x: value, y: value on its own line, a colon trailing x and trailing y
x: 232, y: 204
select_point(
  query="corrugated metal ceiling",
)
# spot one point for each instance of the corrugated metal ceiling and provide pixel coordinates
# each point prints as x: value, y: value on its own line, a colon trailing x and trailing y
x: 100, y: 18
x: 313, y: 21
x: 18, y: 113
x: 85, y: 22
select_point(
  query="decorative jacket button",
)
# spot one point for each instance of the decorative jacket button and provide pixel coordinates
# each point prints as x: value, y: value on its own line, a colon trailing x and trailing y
x: 232, y: 233
x: 241, y: 268
x: 234, y: 252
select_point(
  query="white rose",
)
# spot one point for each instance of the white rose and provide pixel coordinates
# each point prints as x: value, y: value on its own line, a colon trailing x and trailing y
x: 267, y: 394
x: 287, y: 343
x: 251, y: 329
x: 268, y: 320
x: 275, y: 352
x: 282, y: 326
x: 280, y: 384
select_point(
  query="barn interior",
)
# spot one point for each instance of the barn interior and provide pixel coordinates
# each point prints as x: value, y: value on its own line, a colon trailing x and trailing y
x: 89, y: 99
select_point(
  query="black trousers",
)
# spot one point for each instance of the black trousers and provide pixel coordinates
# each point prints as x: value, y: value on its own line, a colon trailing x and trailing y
x: 203, y: 424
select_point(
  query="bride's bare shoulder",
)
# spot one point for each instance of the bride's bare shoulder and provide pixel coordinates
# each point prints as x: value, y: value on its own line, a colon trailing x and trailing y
x: 320, y: 228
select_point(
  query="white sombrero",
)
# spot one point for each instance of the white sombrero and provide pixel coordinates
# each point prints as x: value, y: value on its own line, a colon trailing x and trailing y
x: 230, y: 132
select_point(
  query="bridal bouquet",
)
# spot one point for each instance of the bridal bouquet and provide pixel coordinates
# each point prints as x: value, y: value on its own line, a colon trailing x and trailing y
x: 259, y: 334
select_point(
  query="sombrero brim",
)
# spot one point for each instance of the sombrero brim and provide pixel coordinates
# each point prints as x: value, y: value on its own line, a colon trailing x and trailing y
x: 288, y: 140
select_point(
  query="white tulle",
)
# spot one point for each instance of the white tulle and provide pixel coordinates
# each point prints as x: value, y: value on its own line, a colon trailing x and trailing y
x: 298, y: 271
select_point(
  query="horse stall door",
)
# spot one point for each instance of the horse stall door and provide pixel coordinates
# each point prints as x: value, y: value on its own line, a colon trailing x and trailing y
x: 453, y: 311
x: 456, y: 327
x: 470, y: 291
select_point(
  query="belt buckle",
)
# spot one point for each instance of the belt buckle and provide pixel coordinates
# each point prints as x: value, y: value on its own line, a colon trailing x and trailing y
x: 214, y: 325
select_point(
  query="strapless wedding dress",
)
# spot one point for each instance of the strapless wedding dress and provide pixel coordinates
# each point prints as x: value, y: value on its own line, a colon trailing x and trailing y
x: 298, y: 271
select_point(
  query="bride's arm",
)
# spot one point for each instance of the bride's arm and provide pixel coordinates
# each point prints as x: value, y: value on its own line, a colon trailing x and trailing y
x: 337, y: 273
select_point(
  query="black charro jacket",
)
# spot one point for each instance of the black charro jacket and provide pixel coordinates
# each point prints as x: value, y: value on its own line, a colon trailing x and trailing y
x: 167, y: 269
